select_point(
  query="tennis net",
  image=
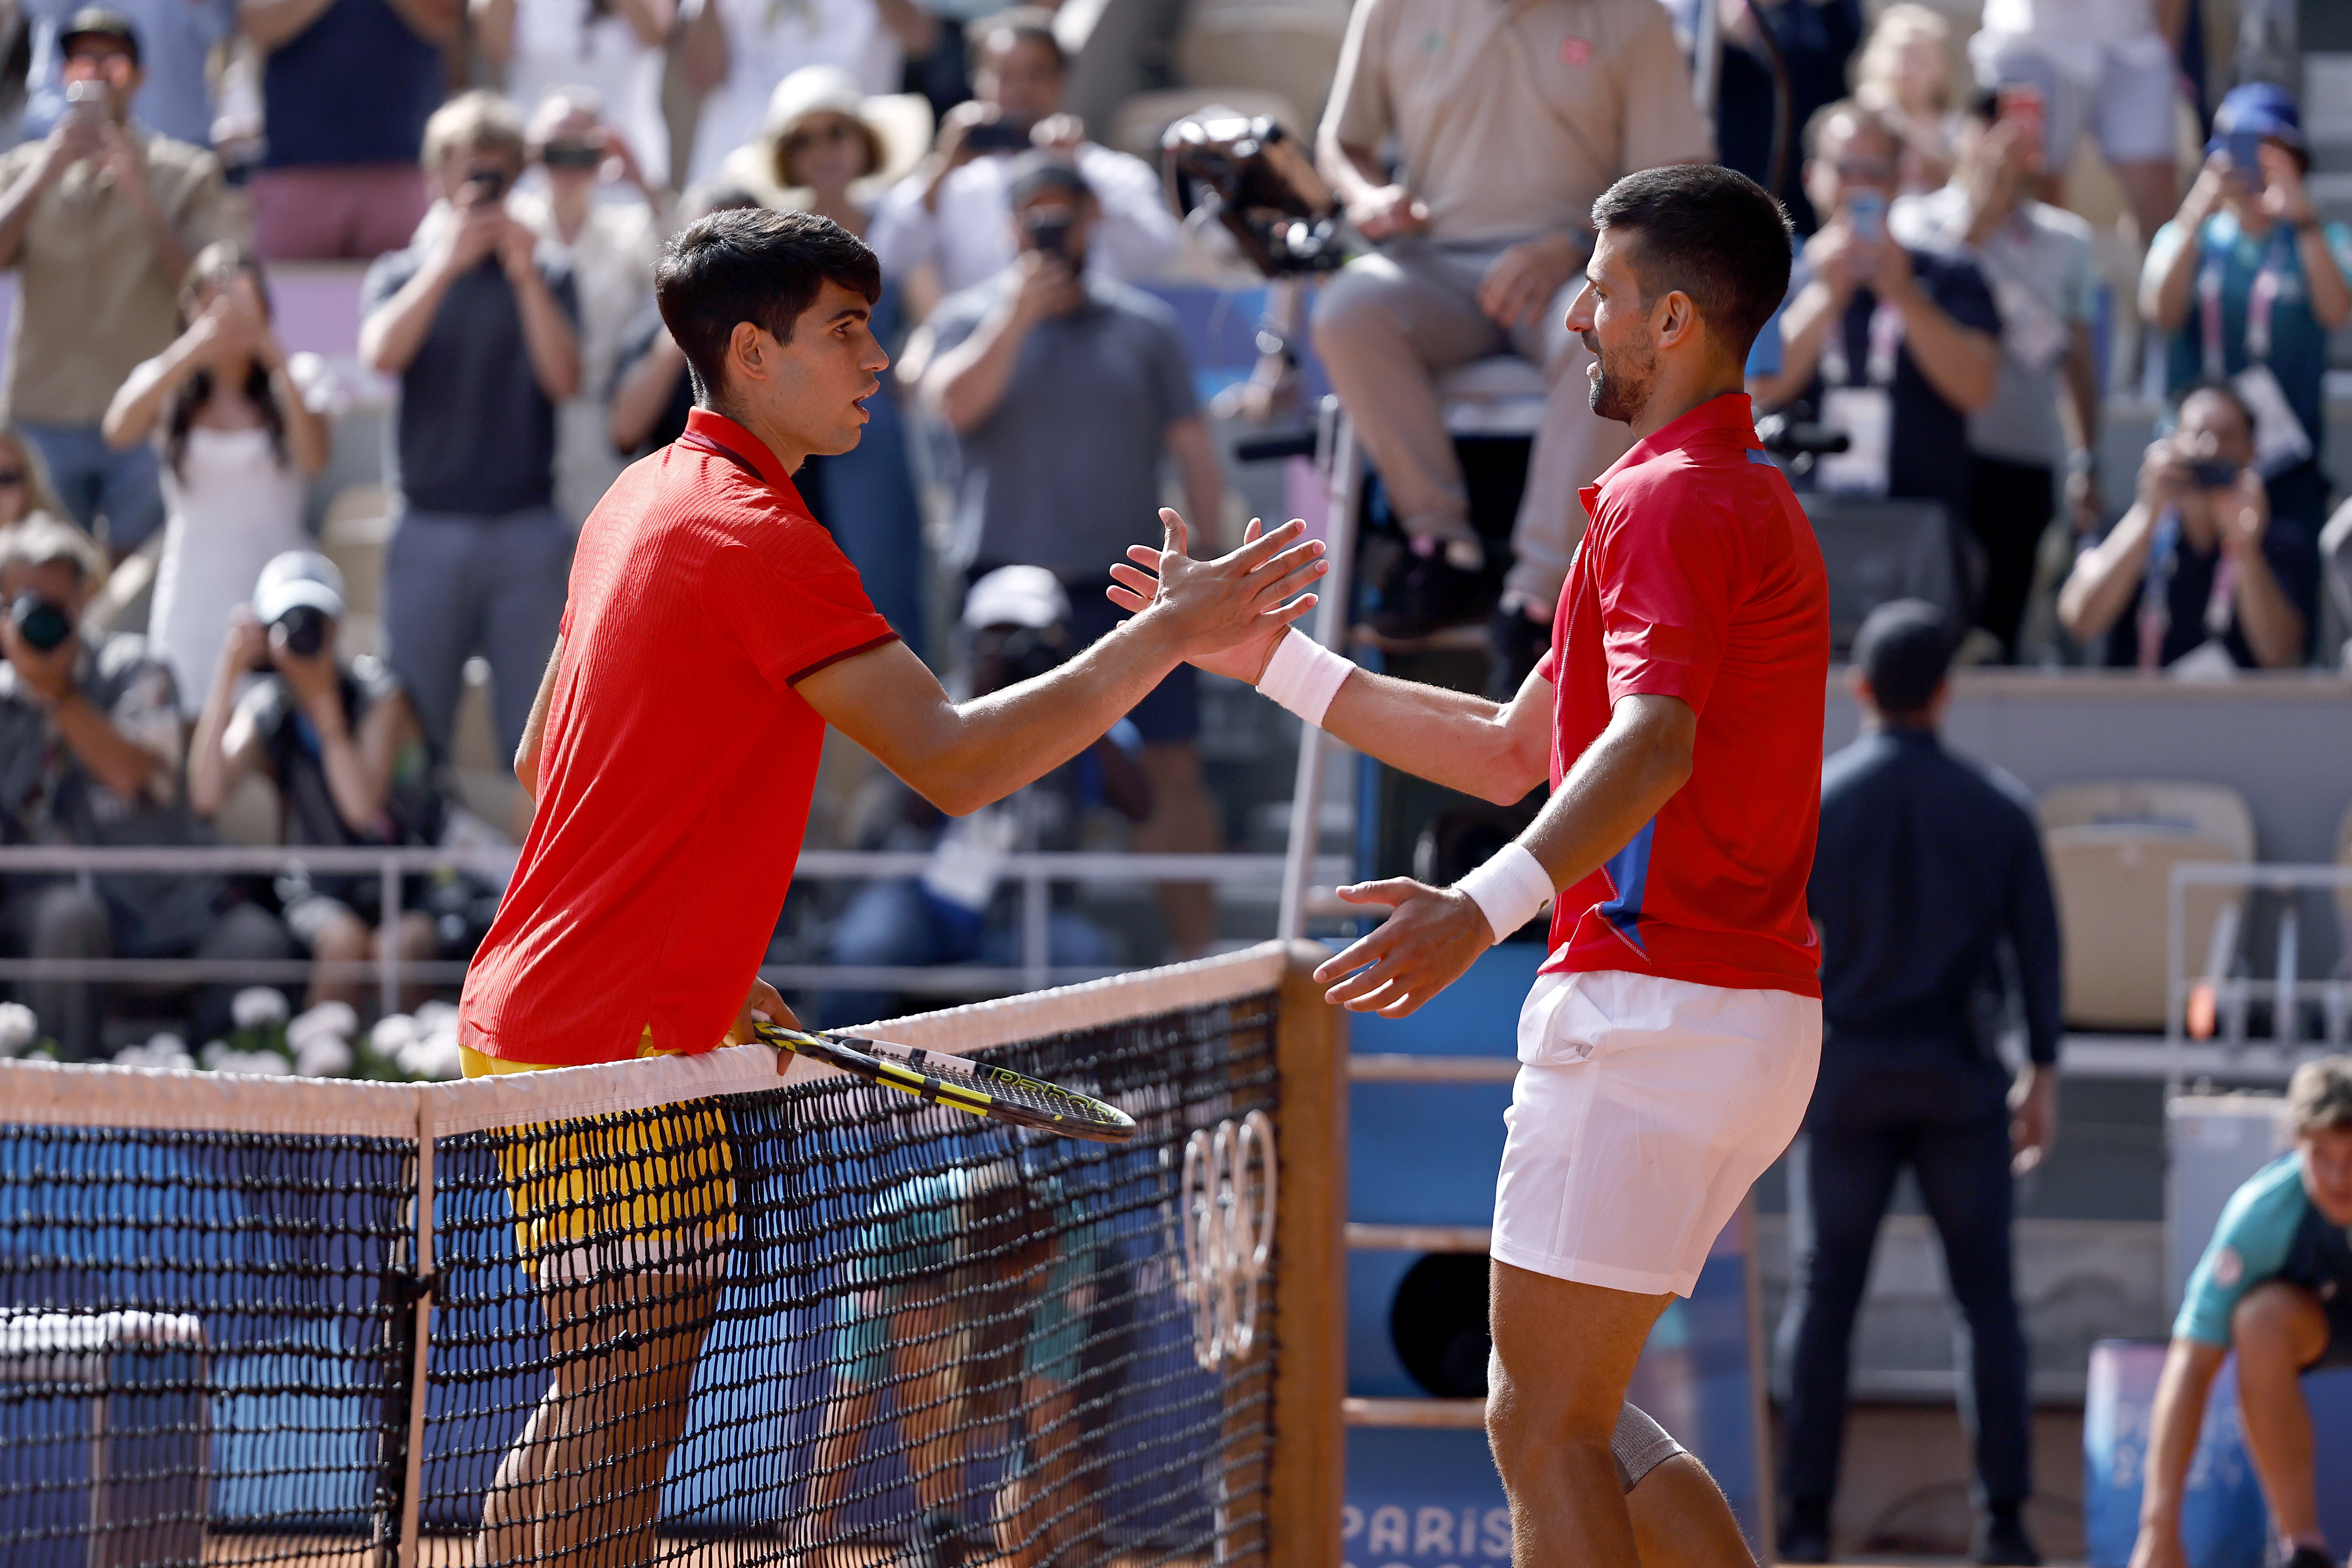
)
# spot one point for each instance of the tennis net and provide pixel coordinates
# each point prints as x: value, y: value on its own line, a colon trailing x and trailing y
x: 688, y: 1310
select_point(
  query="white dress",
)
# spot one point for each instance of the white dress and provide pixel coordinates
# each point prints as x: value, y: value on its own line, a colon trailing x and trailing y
x: 232, y: 505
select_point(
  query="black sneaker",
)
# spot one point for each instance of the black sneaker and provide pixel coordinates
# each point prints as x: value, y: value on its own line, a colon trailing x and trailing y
x: 2309, y: 1557
x: 1424, y: 594
x: 1804, y: 1532
x: 2004, y: 1542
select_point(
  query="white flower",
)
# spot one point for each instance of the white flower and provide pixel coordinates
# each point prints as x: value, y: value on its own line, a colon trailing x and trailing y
x: 165, y: 1051
x: 257, y: 1007
x: 211, y: 1054
x: 431, y: 1051
x: 393, y: 1031
x: 18, y: 1027
x: 327, y: 1020
x: 327, y: 1056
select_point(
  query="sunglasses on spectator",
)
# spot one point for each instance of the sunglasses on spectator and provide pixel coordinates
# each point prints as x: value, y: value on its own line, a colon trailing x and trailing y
x: 1875, y: 171
x: 12, y: 478
x: 825, y: 135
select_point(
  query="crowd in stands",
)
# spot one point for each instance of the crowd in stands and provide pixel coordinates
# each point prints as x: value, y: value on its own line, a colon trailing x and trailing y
x: 1946, y: 316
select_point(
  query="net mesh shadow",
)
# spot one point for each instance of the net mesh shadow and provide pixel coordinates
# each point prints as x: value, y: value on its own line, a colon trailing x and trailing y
x: 820, y: 1324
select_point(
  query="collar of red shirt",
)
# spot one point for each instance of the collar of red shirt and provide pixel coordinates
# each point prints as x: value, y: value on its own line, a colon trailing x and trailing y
x: 1730, y: 415
x: 717, y: 430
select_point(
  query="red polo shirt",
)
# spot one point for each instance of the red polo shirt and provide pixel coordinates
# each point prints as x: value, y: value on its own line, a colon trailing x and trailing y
x: 1700, y: 579
x: 675, y: 772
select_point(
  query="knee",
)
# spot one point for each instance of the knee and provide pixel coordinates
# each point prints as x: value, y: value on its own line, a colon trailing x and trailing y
x: 245, y: 930
x: 418, y: 940
x: 2276, y: 1319
x: 1348, y: 310
x: 1527, y: 1418
x: 70, y: 923
x: 341, y: 938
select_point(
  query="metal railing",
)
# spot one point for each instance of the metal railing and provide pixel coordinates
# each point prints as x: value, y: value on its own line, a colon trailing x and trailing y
x: 1034, y: 872
x: 2284, y: 989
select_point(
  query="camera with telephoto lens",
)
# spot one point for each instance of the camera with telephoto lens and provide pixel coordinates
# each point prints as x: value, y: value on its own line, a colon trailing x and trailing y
x: 2214, y: 475
x: 1253, y: 178
x: 306, y: 630
x: 42, y: 622
x: 572, y: 155
x: 485, y: 183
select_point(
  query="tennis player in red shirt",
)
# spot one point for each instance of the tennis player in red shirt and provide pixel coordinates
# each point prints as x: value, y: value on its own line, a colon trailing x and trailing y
x: 1669, y: 1046
x: 713, y: 629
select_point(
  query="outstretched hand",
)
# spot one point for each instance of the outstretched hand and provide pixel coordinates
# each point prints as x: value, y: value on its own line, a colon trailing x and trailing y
x: 1221, y: 613
x: 1138, y: 588
x: 1431, y: 938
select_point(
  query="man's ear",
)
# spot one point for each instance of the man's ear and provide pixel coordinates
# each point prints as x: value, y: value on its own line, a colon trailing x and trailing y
x: 1673, y: 319
x: 747, y: 348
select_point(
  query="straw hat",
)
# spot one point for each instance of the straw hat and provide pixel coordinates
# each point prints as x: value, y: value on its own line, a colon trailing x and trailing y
x: 897, y: 127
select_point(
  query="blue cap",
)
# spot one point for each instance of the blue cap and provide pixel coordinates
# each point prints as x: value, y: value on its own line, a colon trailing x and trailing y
x: 2259, y: 109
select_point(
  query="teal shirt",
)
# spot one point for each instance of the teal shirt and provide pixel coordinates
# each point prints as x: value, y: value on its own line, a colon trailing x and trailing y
x: 2298, y: 353
x: 2251, y: 1244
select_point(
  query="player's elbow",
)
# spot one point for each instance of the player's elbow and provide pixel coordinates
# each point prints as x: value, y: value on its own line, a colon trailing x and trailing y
x: 1519, y: 767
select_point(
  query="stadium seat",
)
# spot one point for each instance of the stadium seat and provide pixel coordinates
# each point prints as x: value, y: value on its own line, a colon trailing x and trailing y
x: 1875, y: 550
x: 2112, y: 847
x: 1503, y: 395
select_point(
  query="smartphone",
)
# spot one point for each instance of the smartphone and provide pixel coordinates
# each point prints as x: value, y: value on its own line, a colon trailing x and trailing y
x: 2021, y: 103
x: 2245, y: 150
x: 485, y: 184
x: 89, y: 99
x: 1866, y: 210
x: 997, y: 136
x: 572, y: 155
x: 2214, y: 475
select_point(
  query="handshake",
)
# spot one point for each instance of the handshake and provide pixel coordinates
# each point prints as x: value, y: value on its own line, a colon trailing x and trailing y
x: 1224, y: 616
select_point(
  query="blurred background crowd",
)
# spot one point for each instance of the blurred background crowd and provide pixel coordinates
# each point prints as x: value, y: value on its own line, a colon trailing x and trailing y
x: 329, y: 321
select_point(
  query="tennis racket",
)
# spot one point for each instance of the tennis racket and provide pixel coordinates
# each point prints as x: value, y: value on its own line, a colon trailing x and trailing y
x: 979, y: 1087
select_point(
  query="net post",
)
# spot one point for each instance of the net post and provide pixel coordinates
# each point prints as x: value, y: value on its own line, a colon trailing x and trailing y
x: 412, y: 1461
x: 1310, y: 1308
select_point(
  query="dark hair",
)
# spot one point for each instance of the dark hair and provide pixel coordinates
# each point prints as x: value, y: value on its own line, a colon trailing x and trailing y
x: 2218, y: 389
x: 748, y: 263
x: 1863, y: 117
x: 1709, y: 231
x: 1027, y: 23
x: 215, y: 267
x: 1904, y: 650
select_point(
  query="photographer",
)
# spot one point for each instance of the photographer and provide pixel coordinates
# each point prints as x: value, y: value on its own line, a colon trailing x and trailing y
x: 1064, y: 393
x: 2217, y: 587
x: 942, y: 229
x: 100, y: 218
x: 341, y: 744
x: 478, y: 328
x: 90, y: 753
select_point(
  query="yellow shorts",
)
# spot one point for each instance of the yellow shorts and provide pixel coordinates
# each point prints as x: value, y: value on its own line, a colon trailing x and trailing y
x: 644, y: 1189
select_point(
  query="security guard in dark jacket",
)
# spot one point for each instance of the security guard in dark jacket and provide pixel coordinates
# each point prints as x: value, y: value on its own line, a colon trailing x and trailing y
x: 1932, y: 901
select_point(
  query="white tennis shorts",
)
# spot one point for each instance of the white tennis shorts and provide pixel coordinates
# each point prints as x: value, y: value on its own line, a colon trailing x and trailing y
x: 1644, y: 1111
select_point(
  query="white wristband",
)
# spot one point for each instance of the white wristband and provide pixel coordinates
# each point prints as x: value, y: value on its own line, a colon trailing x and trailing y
x: 1303, y: 675
x: 1509, y: 889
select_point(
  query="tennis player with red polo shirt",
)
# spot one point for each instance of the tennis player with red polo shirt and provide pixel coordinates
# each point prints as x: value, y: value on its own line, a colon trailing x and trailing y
x: 713, y: 629
x: 1669, y: 1046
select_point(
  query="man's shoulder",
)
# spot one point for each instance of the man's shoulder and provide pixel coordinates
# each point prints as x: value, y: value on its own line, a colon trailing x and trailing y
x: 2267, y: 1207
x: 960, y: 311
x: 169, y: 156
x: 1131, y: 302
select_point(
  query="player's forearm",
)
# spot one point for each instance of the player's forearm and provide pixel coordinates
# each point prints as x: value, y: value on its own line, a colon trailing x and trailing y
x: 1621, y: 782
x: 1463, y: 742
x: 2189, y: 1367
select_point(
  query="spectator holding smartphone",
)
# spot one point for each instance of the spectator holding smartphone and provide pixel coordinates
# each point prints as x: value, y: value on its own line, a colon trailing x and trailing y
x: 478, y: 328
x: 2247, y: 283
x: 2044, y: 415
x: 610, y: 231
x: 239, y: 445
x: 339, y: 742
x: 943, y: 228
x: 2197, y: 577
x: 1894, y: 346
x: 101, y: 219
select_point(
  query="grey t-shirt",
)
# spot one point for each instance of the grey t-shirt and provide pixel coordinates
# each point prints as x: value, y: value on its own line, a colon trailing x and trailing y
x: 2045, y: 279
x: 473, y: 434
x: 1065, y: 473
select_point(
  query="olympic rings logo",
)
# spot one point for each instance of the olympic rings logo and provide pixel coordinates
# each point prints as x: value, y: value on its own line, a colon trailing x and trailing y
x: 1226, y: 1207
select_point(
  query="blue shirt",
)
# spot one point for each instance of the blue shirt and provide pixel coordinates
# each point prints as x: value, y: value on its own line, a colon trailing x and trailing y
x: 2269, y: 1230
x: 1928, y: 866
x: 354, y: 86
x: 175, y: 39
x: 2298, y: 348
